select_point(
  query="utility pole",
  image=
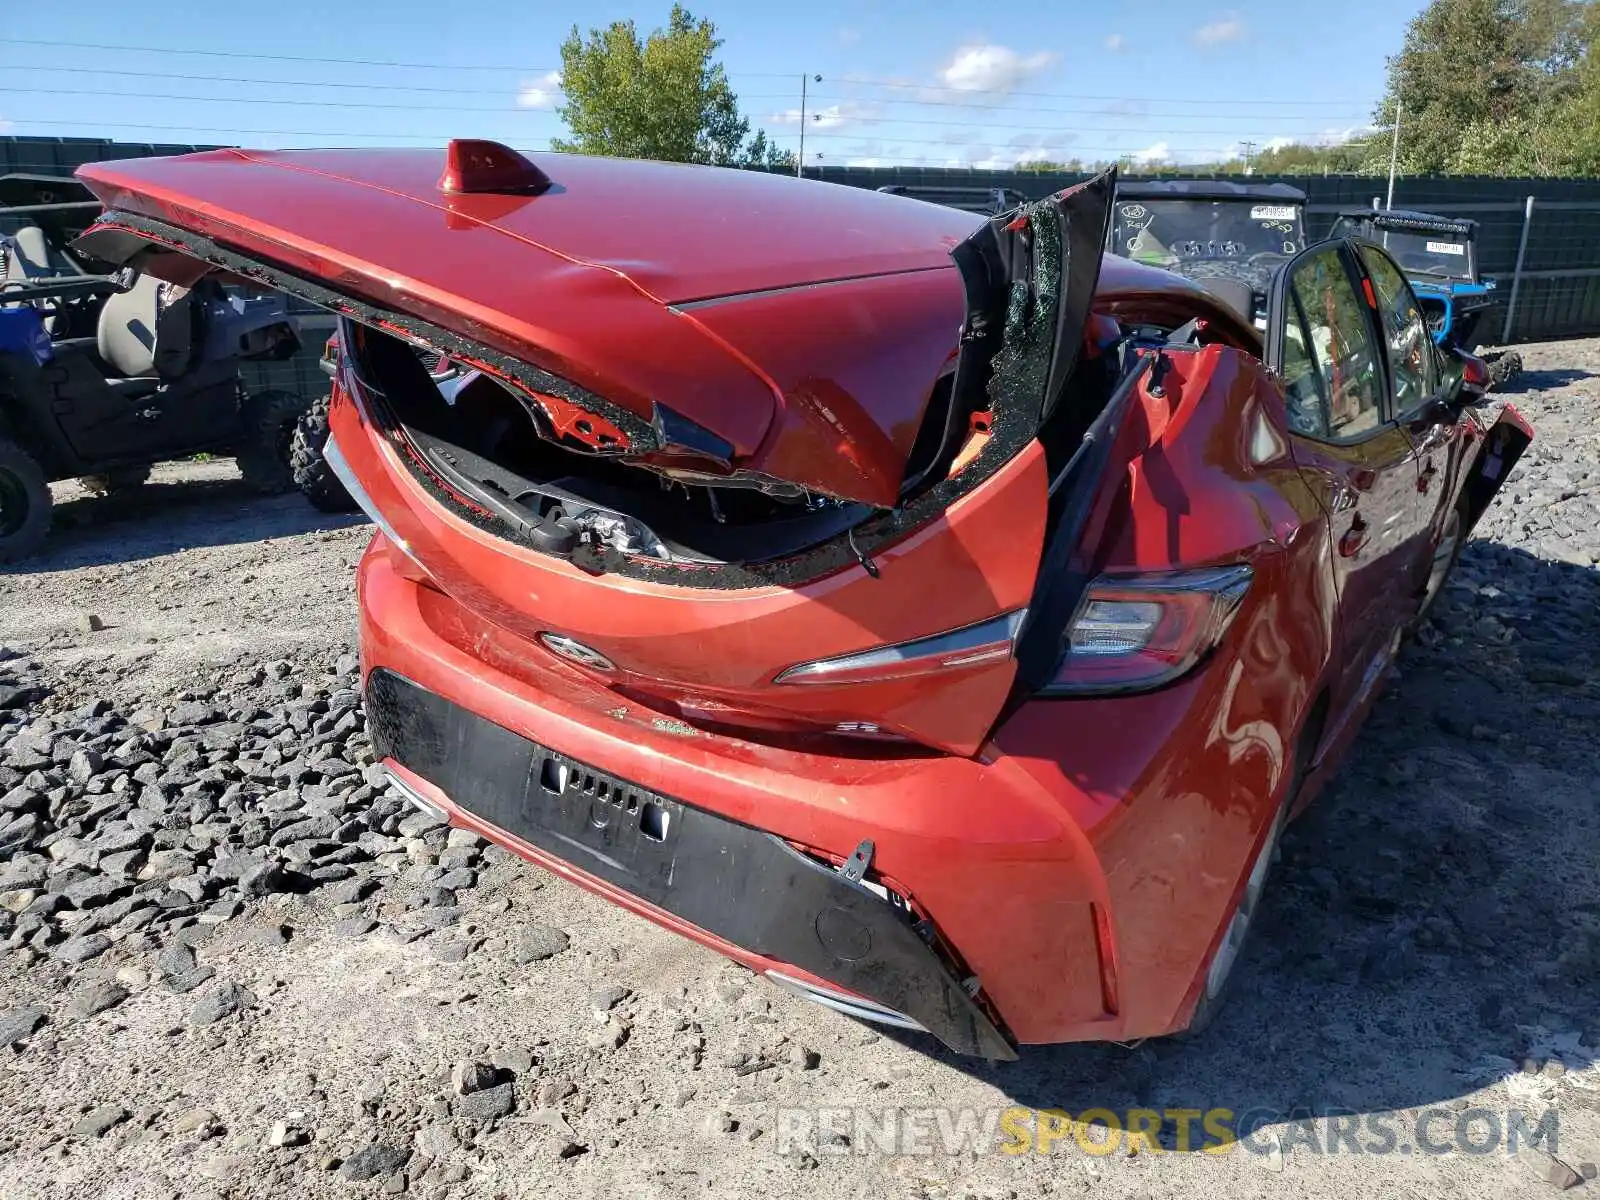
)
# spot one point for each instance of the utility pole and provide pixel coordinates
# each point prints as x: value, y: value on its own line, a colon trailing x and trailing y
x: 800, y: 162
x: 1249, y: 149
x: 1394, y: 150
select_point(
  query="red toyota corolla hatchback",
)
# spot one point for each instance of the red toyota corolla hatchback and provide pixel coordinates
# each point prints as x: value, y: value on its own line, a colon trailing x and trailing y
x: 914, y: 607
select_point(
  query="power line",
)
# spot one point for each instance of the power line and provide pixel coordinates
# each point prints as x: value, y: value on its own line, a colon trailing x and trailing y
x: 411, y: 137
x: 413, y: 107
x: 512, y: 108
x: 311, y: 58
x: 300, y: 83
x: 926, y: 87
x: 853, y: 81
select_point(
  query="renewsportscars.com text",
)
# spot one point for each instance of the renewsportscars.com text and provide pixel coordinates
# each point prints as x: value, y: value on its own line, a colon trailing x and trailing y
x: 1101, y: 1131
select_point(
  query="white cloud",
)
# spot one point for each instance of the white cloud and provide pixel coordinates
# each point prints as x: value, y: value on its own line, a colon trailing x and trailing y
x: 990, y: 68
x: 1228, y: 29
x: 831, y: 116
x: 542, y: 93
x: 1338, y: 137
x: 847, y: 35
x: 1116, y: 43
x: 1277, y: 143
x: 1159, y: 153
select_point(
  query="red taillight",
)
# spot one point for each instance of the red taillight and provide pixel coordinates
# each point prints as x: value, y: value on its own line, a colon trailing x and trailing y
x: 1136, y: 632
x: 977, y: 645
x: 1474, y: 372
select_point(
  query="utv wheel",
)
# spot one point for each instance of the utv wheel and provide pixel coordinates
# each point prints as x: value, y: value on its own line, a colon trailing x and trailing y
x: 268, y: 420
x: 312, y: 475
x: 1219, y: 971
x: 24, y: 503
x: 116, y: 483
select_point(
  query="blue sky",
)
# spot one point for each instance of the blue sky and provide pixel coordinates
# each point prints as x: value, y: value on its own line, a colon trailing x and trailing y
x: 918, y: 81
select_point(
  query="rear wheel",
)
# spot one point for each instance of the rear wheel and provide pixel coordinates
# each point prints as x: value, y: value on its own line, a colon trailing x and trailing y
x: 268, y: 420
x: 116, y: 483
x: 312, y: 475
x: 1446, y: 551
x: 24, y: 503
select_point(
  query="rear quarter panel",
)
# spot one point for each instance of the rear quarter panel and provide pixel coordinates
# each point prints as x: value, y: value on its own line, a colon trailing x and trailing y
x: 1178, y: 787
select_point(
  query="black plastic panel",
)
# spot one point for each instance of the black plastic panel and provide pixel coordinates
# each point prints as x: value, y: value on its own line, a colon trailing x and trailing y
x: 734, y: 881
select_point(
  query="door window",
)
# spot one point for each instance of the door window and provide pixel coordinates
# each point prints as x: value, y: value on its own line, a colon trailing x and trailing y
x: 1333, y: 333
x: 1410, y: 346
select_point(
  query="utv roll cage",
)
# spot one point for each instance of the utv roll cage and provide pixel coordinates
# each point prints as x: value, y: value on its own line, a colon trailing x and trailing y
x: 1208, y: 189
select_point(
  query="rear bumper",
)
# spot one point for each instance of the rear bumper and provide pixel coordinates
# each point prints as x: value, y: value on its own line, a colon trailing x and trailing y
x: 741, y: 885
x: 1079, y: 868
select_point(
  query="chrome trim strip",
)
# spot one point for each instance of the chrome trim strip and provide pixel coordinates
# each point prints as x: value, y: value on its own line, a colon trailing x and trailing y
x: 334, y: 457
x: 850, y: 1006
x: 415, y: 798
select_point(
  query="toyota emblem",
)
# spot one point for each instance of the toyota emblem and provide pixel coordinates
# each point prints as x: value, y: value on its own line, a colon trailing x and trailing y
x: 577, y: 652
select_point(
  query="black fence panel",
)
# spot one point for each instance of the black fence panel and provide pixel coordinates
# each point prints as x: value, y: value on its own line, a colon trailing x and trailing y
x: 1559, y: 293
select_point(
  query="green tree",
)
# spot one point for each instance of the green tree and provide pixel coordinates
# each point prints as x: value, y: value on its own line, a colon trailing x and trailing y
x: 1045, y: 166
x: 663, y: 97
x: 1480, y: 82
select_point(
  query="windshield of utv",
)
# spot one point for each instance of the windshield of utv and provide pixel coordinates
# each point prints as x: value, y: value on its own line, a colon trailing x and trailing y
x: 1444, y: 254
x: 1168, y: 233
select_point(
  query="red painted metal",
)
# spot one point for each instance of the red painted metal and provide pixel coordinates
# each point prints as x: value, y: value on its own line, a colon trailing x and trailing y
x: 1082, y: 856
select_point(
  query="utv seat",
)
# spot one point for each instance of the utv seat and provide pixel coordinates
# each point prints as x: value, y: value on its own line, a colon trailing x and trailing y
x: 145, y: 338
x: 147, y: 332
x: 37, y: 258
x: 1235, y: 293
x: 28, y: 258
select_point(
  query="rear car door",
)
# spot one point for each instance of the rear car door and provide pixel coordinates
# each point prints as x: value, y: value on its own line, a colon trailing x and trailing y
x: 1414, y: 367
x: 1359, y: 462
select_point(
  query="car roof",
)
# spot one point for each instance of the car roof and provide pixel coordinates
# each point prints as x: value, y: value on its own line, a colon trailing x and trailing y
x: 1209, y: 189
x: 1410, y: 218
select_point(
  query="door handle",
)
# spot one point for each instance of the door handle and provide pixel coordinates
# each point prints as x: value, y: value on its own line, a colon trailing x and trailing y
x: 1354, y: 538
x: 1425, y: 479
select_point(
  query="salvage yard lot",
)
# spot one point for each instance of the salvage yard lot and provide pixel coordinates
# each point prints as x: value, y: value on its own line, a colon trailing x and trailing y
x: 230, y: 965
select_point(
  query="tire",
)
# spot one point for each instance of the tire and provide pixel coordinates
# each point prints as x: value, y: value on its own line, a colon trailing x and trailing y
x: 1504, y: 368
x: 25, y: 503
x: 1220, y: 967
x: 268, y: 420
x: 1446, y: 553
x: 312, y: 475
x: 116, y: 483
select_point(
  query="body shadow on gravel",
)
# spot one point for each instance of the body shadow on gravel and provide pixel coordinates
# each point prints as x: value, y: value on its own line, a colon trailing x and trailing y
x: 1436, y: 905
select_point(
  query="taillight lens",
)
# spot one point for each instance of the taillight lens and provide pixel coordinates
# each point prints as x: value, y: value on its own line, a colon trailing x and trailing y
x: 973, y: 646
x: 1136, y: 632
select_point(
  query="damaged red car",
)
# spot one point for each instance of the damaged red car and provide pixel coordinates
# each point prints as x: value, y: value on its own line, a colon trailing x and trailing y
x: 919, y: 608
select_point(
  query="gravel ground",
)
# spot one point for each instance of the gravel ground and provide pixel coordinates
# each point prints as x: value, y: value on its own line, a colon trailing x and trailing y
x: 232, y: 966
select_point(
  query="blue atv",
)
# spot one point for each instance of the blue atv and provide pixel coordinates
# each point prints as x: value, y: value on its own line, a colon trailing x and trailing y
x: 1440, y: 258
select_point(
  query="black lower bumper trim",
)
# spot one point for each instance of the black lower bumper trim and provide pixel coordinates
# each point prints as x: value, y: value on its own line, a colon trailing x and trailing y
x: 733, y: 881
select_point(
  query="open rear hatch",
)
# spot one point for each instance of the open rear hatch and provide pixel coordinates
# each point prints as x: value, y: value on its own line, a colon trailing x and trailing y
x: 624, y: 460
